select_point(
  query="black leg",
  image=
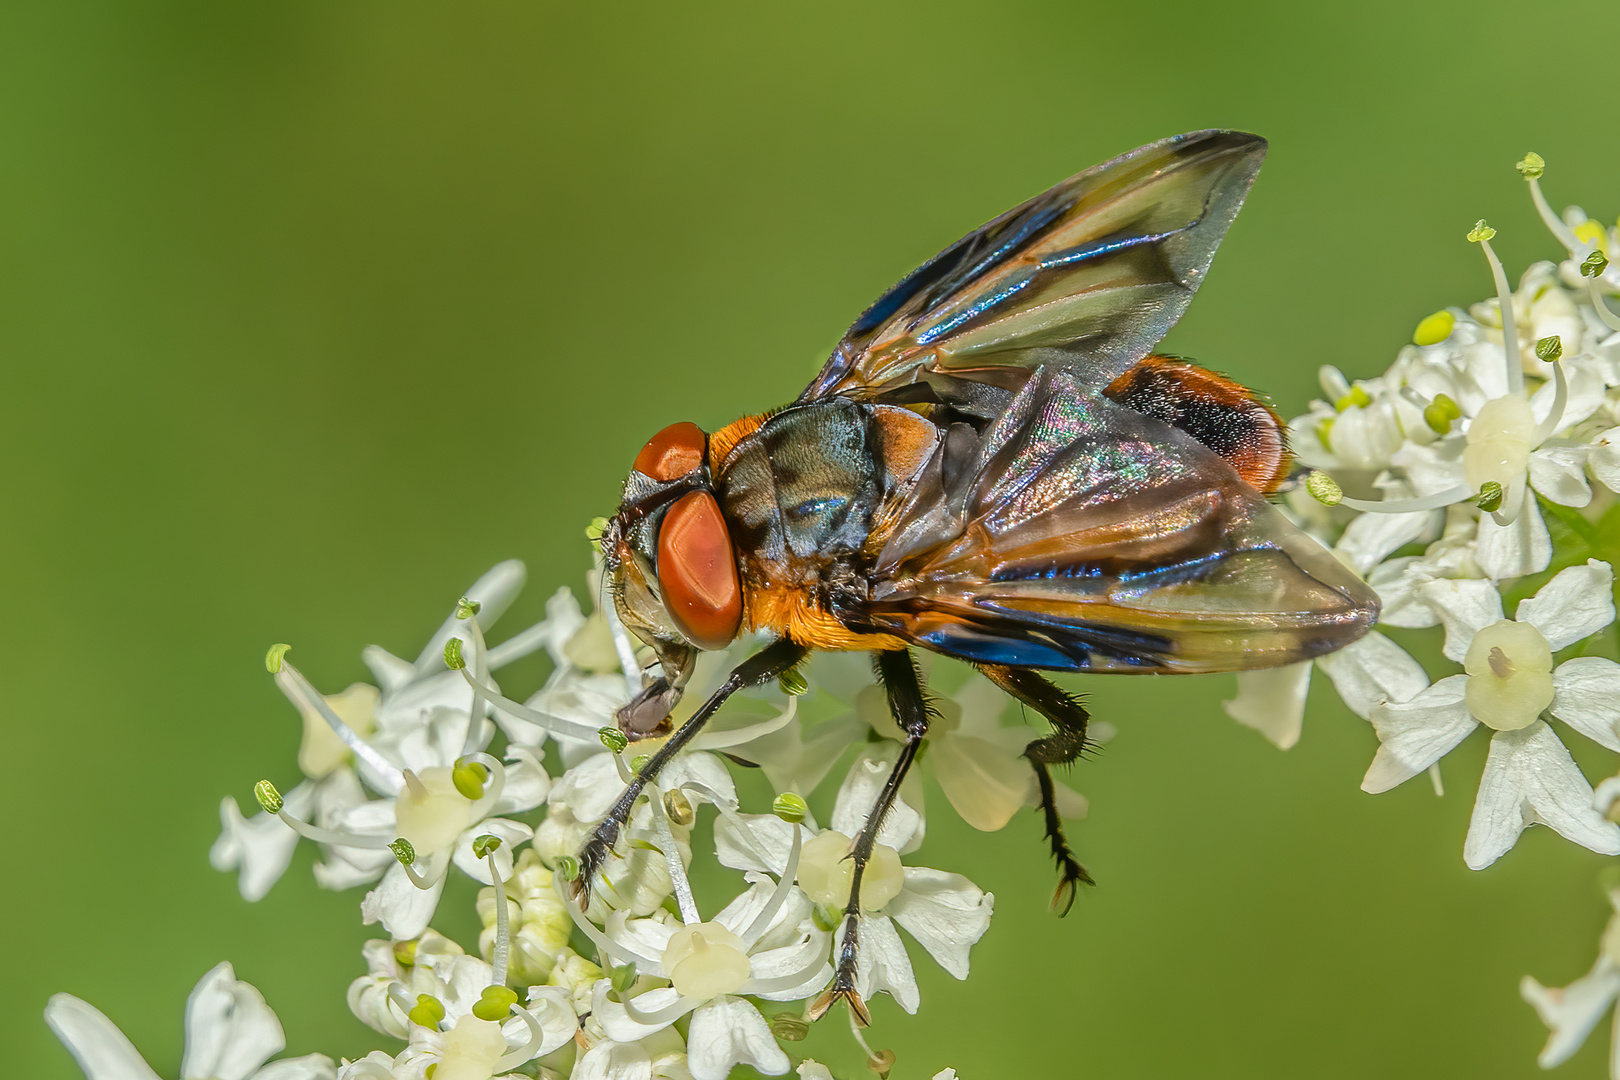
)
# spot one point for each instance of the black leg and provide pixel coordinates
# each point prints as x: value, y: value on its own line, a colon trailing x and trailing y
x: 1066, y: 743
x: 758, y: 669
x: 909, y: 704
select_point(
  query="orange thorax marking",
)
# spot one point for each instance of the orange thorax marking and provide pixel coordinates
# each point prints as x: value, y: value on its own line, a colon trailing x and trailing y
x: 789, y: 611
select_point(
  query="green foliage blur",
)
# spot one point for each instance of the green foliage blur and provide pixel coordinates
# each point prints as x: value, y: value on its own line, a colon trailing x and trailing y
x: 310, y: 312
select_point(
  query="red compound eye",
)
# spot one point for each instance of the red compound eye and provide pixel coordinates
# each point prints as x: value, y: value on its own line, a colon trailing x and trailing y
x: 697, y: 571
x: 673, y: 452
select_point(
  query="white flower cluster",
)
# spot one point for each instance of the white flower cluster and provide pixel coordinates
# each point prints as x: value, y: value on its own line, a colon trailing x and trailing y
x: 1477, y: 477
x: 400, y: 790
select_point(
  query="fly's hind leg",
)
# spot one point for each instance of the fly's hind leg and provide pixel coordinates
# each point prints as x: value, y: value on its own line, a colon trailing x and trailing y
x: 909, y: 704
x: 1066, y: 743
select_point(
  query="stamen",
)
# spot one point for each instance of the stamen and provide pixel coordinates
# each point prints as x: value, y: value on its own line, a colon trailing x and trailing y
x: 1481, y: 234
x: 270, y: 800
x: 607, y: 945
x: 557, y: 725
x: 1434, y: 779
x: 622, y: 645
x: 467, y: 610
x: 537, y: 1038
x: 503, y: 926
x: 1592, y: 268
x: 762, y: 921
x: 301, y: 692
x: 1555, y: 417
x: 1532, y: 167
x: 1460, y: 493
x: 669, y: 1013
x: 672, y: 855
x: 406, y: 856
x: 720, y: 740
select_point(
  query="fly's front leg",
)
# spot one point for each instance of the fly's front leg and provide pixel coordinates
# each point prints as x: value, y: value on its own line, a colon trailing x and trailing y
x: 908, y: 703
x: 1066, y: 743
x: 762, y: 667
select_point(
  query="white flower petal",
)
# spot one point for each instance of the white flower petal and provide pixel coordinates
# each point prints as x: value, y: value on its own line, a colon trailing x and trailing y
x: 755, y: 841
x: 1373, y: 671
x: 813, y: 1070
x: 1371, y: 537
x: 882, y: 963
x: 1604, y: 460
x: 1513, y: 550
x: 1272, y: 701
x: 589, y: 788
x: 1572, y: 1011
x: 95, y: 1042
x: 402, y: 908
x: 230, y: 1031
x: 1576, y: 603
x: 511, y: 834
x: 1396, y: 582
x: 616, y: 1021
x: 1465, y: 608
x: 260, y: 846
x: 1586, y: 696
x: 494, y: 593
x: 527, y: 783
x: 1530, y: 777
x: 946, y: 913
x: 902, y: 827
x: 985, y: 784
x: 308, y: 1067
x: 727, y: 1032
x: 1413, y: 735
x: 1558, y: 471
x: 609, y: 1060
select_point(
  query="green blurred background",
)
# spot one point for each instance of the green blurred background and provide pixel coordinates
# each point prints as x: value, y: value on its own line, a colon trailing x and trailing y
x: 311, y: 312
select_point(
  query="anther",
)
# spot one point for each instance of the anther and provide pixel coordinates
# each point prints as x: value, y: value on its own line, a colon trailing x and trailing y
x: 1324, y: 489
x: 614, y: 739
x: 793, y: 682
x: 790, y: 807
x: 790, y: 1027
x: 269, y: 798
x: 495, y: 1003
x: 428, y: 1011
x: 403, y: 851
x: 1490, y: 496
x: 1549, y: 348
x: 679, y: 808
x: 466, y: 609
x: 469, y: 778
x: 272, y: 659
x: 452, y: 655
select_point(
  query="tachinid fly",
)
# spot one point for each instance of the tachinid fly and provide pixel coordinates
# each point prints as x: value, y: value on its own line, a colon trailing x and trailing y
x: 992, y: 465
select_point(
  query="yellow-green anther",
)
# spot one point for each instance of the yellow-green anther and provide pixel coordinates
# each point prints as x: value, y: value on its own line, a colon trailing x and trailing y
x: 428, y: 1073
x: 1532, y: 166
x: 466, y: 609
x: 612, y: 738
x: 495, y: 1003
x: 428, y: 1011
x: 1357, y: 396
x: 596, y: 528
x: 568, y: 867
x: 1434, y: 329
x: 1436, y: 418
x: 268, y: 796
x: 1324, y: 489
x: 1549, y: 348
x: 1490, y: 496
x: 469, y: 778
x: 639, y: 762
x: 1480, y: 231
x: 1594, y: 264
x: 452, y: 655
x: 486, y: 845
x: 790, y: 807
x: 272, y: 659
x: 405, y: 952
x: 403, y: 851
x: 790, y: 1027
x: 623, y: 978
x: 679, y: 808
x: 792, y: 682
x: 824, y: 917
x: 1452, y: 410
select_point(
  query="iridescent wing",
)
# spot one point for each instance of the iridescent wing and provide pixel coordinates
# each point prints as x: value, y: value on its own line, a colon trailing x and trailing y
x: 1076, y: 533
x: 1089, y: 275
